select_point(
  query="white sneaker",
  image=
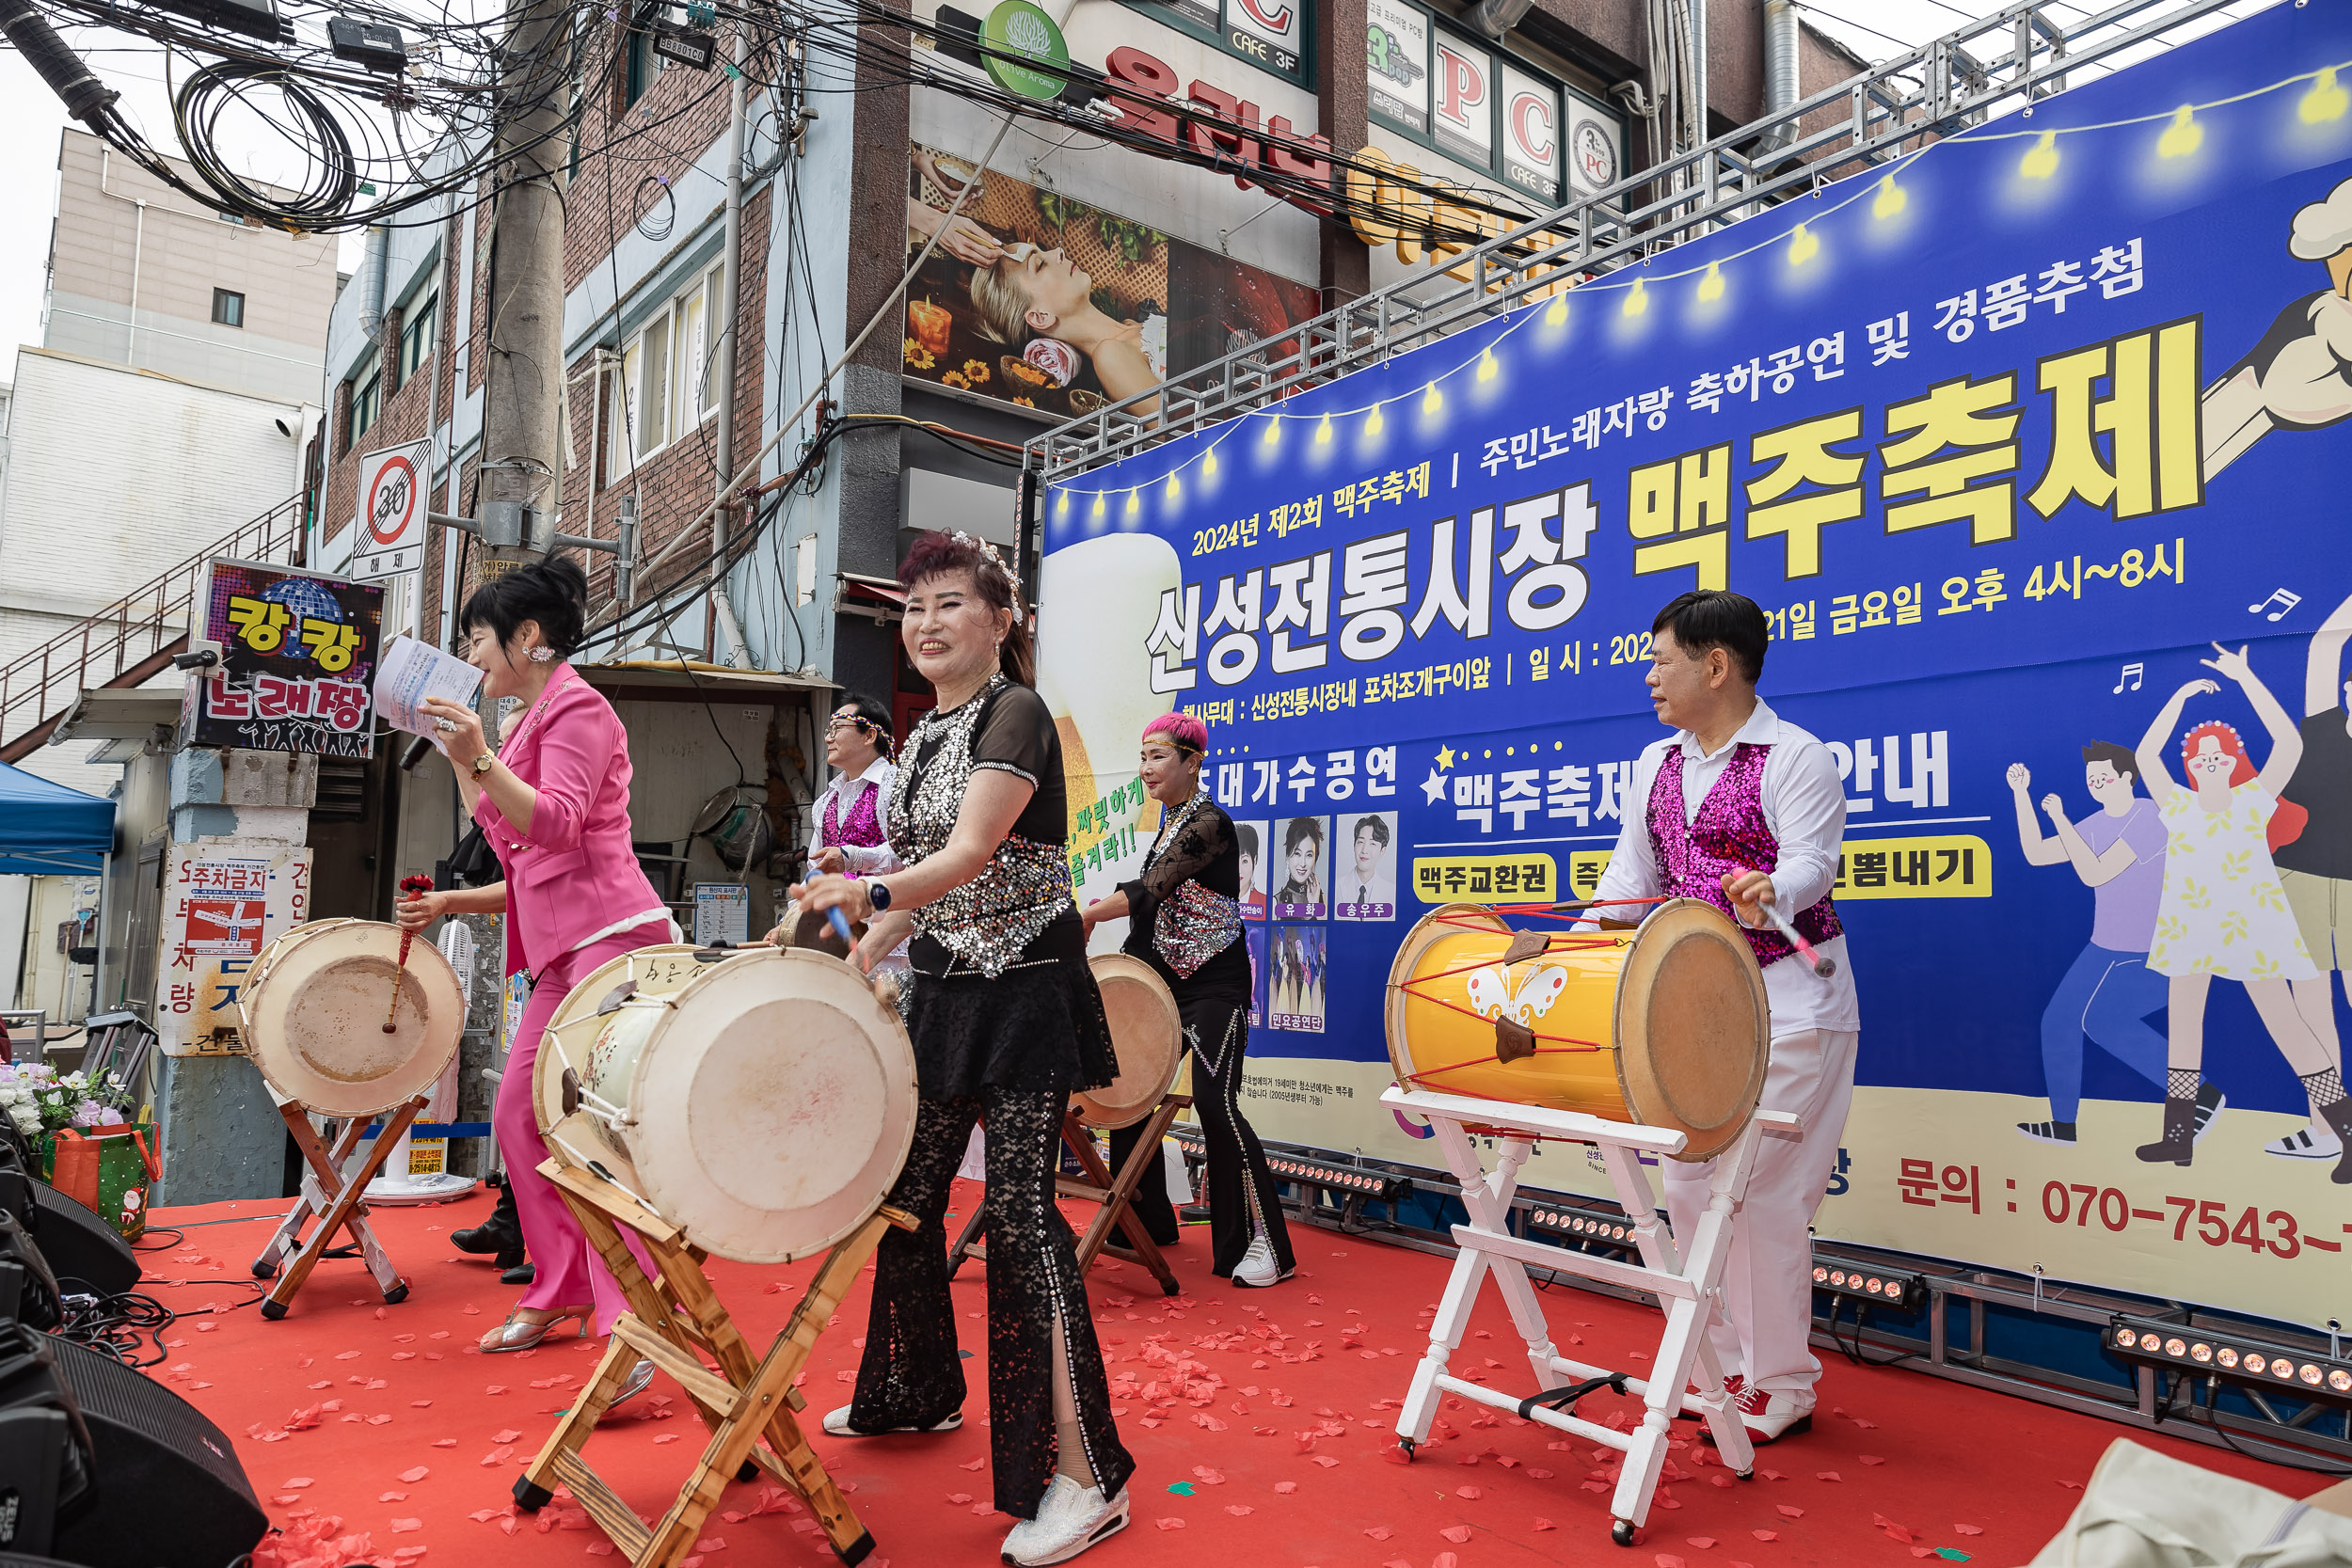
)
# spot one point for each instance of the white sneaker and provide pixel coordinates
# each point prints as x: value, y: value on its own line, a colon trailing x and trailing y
x: 1259, y: 1267
x: 2316, y: 1142
x: 1768, y: 1417
x: 837, y: 1424
x: 1070, y: 1518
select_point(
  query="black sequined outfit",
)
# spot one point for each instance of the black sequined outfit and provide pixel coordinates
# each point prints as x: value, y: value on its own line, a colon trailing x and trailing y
x: 1006, y: 1021
x: 1185, y: 902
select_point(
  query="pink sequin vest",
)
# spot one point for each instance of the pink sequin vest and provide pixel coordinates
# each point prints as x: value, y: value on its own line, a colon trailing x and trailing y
x: 863, y: 827
x: 1727, y: 835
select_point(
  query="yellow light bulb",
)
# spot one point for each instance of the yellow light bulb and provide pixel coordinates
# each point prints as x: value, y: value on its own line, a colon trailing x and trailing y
x: 1432, y: 399
x: 1638, y: 301
x: 1135, y: 501
x: 1274, y: 431
x: 2042, y: 161
x: 1098, y: 503
x: 1373, y: 422
x: 2326, y: 101
x: 2183, y: 136
x: 1174, y: 490
x: 1556, y: 313
x: 1711, y: 286
x: 1892, y: 199
x: 1323, y: 432
x: 1803, y: 246
x: 1061, y: 508
x: 1488, y: 368
x: 1208, y: 464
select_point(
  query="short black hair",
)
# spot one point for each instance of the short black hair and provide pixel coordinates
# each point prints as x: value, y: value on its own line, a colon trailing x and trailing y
x: 553, y: 593
x: 1303, y: 828
x: 2126, y: 765
x: 867, y: 712
x: 1248, y: 833
x: 1715, y: 618
x: 1379, y: 830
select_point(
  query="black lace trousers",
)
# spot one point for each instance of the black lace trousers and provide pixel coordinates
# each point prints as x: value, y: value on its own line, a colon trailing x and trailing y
x: 1243, y: 1200
x: 910, y: 1376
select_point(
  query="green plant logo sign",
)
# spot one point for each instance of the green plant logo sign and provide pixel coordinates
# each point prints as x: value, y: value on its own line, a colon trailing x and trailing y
x: 1018, y: 28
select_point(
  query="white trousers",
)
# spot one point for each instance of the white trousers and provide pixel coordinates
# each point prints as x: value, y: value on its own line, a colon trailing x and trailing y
x: 1768, y: 1279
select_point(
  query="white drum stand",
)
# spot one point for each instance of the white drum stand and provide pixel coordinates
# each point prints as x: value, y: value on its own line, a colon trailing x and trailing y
x: 1687, y: 1287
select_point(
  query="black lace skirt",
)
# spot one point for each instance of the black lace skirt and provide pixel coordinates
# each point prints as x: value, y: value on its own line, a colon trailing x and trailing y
x: 1037, y: 1025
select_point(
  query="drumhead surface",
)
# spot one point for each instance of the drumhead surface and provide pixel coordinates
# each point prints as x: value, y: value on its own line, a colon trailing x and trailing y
x: 772, y: 1109
x: 314, y: 1006
x: 1148, y: 1032
x: 1694, y: 1028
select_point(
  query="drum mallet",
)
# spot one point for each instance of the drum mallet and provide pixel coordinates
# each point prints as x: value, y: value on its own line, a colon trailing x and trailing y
x: 407, y: 884
x: 1824, y: 967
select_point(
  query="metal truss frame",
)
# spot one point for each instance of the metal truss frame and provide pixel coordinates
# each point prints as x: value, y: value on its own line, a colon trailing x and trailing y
x: 2014, y: 58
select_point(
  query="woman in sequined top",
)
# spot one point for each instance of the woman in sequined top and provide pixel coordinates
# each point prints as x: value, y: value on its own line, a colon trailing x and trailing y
x: 1185, y: 920
x: 1006, y: 1023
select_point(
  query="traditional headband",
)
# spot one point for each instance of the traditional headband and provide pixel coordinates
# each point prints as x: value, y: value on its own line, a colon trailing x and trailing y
x: 990, y: 550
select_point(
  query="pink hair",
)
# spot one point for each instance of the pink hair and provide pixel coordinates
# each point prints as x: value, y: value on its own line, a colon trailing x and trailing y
x: 2229, y: 743
x: 1181, y: 728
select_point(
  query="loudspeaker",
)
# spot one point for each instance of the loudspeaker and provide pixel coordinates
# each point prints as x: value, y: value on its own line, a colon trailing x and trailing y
x: 168, y: 1489
x: 45, y: 1451
x: 82, y: 1250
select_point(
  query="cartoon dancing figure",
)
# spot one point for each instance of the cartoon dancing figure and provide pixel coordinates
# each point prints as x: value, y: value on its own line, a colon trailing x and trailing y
x: 2299, y: 376
x: 2315, y: 868
x: 2222, y: 912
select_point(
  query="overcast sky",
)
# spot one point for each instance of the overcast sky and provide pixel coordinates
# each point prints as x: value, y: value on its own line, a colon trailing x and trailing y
x: 31, y: 119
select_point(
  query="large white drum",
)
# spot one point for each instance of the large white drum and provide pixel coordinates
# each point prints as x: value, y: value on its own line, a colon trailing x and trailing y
x: 313, y: 1010
x: 1148, y: 1034
x: 761, y: 1100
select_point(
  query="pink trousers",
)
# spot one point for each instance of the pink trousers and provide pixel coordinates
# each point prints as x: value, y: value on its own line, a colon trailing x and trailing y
x: 569, y: 1272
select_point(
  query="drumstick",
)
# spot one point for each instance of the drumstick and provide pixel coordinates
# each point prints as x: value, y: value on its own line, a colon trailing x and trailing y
x: 840, y: 924
x: 1824, y: 967
x: 407, y: 884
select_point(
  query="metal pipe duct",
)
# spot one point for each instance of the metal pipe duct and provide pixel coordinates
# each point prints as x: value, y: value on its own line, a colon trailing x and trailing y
x: 1780, y: 72
x: 1496, y: 18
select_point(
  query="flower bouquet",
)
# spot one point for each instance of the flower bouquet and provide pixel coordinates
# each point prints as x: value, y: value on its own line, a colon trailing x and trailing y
x: 87, y: 1145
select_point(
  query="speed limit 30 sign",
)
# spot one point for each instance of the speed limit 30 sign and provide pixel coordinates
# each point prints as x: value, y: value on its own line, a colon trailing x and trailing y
x: 392, y: 487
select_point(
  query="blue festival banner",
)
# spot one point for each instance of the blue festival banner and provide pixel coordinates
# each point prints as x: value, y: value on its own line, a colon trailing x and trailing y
x: 2031, y: 447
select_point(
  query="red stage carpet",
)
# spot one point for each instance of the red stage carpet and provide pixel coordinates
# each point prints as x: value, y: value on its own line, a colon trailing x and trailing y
x: 1276, y: 1450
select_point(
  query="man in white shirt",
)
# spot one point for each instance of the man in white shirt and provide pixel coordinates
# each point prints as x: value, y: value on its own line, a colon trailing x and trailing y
x: 1742, y: 809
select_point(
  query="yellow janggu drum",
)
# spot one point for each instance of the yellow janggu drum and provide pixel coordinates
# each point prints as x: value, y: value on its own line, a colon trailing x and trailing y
x: 1661, y: 1025
x: 760, y: 1099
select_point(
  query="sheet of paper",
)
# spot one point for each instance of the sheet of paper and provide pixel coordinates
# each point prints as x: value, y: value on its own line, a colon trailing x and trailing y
x: 411, y: 671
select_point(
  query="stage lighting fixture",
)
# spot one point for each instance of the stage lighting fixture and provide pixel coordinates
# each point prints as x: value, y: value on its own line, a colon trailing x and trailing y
x: 1600, y: 1228
x: 1905, y: 1292
x: 1385, y: 1186
x: 2305, y: 1374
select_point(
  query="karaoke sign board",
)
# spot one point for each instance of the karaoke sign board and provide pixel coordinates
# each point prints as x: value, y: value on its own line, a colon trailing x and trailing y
x: 298, y: 654
x: 2033, y: 448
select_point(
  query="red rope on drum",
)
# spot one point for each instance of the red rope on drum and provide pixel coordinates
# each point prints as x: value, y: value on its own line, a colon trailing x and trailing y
x: 1569, y: 943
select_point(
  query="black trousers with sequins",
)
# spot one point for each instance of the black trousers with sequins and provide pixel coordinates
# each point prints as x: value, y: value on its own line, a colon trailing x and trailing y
x: 1243, y: 1198
x: 911, y: 1376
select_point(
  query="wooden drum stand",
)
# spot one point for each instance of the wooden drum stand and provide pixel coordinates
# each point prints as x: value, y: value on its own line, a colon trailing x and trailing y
x: 1116, y: 1197
x: 674, y: 1321
x: 336, y: 1200
x: 1687, y: 1285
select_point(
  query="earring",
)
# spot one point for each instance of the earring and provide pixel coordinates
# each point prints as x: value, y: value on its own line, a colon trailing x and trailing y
x: 541, y: 654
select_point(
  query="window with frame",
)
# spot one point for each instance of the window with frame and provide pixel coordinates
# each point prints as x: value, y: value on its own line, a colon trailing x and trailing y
x: 643, y: 67
x: 228, y: 307
x: 664, y: 388
x: 1460, y: 96
x: 367, y: 400
x: 416, y: 333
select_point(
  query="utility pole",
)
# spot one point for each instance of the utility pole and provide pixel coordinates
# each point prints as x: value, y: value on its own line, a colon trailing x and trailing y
x: 522, y: 462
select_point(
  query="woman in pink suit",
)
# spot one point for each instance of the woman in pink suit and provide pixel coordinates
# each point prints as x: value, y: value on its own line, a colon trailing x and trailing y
x: 554, y: 804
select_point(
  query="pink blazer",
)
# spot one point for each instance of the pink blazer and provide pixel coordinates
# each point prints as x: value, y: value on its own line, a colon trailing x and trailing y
x: 574, y: 873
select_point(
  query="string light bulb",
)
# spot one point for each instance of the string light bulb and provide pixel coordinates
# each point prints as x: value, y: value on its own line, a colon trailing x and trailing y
x: 1135, y: 501
x: 1556, y: 313
x: 1098, y: 503
x: 1803, y: 246
x: 1488, y: 368
x: 1061, y: 508
x: 2326, y: 101
x: 1892, y: 199
x: 1174, y: 490
x: 2042, y: 161
x: 1638, y: 301
x: 1208, y: 464
x: 1274, y: 431
x: 2183, y: 136
x: 1432, y: 399
x: 1373, y: 422
x: 1711, y: 286
x: 1323, y: 432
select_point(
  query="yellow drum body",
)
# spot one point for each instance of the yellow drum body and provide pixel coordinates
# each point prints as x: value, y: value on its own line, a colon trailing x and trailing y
x: 1664, y: 1026
x: 1148, y: 1034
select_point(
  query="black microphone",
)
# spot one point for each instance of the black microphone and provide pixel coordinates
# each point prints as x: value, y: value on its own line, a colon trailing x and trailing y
x: 415, y: 754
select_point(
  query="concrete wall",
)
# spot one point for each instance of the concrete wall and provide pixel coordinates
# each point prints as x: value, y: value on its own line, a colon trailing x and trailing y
x: 124, y: 237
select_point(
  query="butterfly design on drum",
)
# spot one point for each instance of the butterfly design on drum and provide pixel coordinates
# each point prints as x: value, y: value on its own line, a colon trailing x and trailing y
x: 1493, y: 995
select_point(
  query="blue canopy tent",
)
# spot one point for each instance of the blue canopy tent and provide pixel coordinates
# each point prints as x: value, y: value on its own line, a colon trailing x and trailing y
x: 48, y: 830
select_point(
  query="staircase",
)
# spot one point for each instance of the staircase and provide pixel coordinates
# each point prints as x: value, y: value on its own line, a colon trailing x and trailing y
x: 131, y: 641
